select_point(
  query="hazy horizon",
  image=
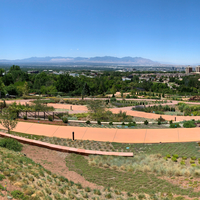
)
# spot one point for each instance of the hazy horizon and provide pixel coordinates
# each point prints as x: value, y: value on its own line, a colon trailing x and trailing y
x: 162, y: 31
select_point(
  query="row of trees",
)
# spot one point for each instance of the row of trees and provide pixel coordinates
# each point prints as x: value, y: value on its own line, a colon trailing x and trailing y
x: 18, y: 82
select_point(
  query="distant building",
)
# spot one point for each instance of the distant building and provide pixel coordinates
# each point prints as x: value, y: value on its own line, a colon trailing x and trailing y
x: 188, y: 70
x: 58, y: 73
x: 74, y: 74
x: 33, y: 72
x: 126, y: 79
x: 198, y: 69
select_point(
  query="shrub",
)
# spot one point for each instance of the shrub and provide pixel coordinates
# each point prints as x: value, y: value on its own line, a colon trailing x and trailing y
x: 192, y: 161
x: 2, y: 188
x: 174, y: 125
x: 159, y: 122
x: 123, y: 123
x: 146, y: 122
x: 182, y: 162
x: 170, y: 122
x: 184, y: 157
x: 193, y: 165
x: 25, y: 117
x: 128, y: 96
x: 165, y: 158
x: 108, y: 196
x: 132, y: 124
x: 110, y: 123
x: 50, y: 118
x: 174, y: 159
x: 10, y: 144
x: 189, y: 124
x: 168, y: 156
x: 87, y: 189
x: 113, y: 99
x: 2, y: 177
x: 159, y: 112
x: 87, y: 122
x: 129, y: 194
x: 17, y: 194
x: 193, y: 158
x: 65, y: 119
x: 175, y: 156
x: 141, y: 196
x: 99, y: 122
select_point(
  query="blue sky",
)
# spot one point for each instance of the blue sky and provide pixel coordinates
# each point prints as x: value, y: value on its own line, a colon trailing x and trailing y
x: 161, y: 30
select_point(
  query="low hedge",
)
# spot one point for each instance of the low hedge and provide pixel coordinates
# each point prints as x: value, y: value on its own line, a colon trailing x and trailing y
x: 189, y: 124
x: 11, y: 144
x: 174, y: 125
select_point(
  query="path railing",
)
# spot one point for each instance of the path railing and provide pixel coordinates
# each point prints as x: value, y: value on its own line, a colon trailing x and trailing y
x: 40, y: 114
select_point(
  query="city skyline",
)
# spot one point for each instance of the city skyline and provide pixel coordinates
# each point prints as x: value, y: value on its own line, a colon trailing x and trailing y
x: 163, y: 31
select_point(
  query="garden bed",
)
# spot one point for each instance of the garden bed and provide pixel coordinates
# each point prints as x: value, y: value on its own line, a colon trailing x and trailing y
x: 82, y: 124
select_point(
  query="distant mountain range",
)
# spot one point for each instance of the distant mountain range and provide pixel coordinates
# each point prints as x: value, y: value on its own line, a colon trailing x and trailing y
x: 104, y: 59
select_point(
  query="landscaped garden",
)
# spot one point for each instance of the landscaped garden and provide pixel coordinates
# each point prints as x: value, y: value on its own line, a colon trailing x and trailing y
x: 173, y: 173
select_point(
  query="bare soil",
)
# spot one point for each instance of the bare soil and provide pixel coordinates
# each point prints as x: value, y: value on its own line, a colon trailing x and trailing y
x: 9, y: 188
x: 55, y: 162
x: 184, y: 182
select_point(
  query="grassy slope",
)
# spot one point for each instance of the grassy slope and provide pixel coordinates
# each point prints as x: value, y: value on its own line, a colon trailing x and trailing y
x: 126, y: 181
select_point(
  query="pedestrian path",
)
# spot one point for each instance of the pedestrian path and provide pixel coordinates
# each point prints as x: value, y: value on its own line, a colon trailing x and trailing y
x: 111, y: 135
x: 82, y: 108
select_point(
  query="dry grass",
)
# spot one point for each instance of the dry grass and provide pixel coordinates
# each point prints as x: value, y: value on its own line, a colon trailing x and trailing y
x: 37, y: 183
x: 147, y: 163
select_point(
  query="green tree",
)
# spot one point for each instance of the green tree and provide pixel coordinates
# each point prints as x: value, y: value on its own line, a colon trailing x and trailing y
x: 122, y: 93
x: 2, y: 87
x: 23, y: 89
x: 51, y: 90
x: 113, y: 90
x: 85, y: 90
x: 65, y: 83
x: 97, y: 109
x: 7, y: 119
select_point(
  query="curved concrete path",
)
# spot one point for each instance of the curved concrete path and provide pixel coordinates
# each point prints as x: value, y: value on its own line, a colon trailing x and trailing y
x: 111, y: 135
x: 80, y: 108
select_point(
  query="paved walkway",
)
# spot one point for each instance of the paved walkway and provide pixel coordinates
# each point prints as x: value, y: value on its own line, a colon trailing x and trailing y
x: 111, y: 135
x: 80, y: 108
x: 114, y: 135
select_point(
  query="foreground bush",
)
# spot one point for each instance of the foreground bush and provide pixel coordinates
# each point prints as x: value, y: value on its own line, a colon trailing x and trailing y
x: 50, y: 118
x: 65, y: 119
x: 174, y: 125
x: 17, y: 194
x: 189, y: 124
x: 132, y: 124
x: 87, y: 122
x: 10, y: 144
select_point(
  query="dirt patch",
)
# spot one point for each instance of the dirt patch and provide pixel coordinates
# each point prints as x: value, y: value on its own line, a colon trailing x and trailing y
x: 184, y: 182
x: 54, y: 161
x: 9, y: 187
